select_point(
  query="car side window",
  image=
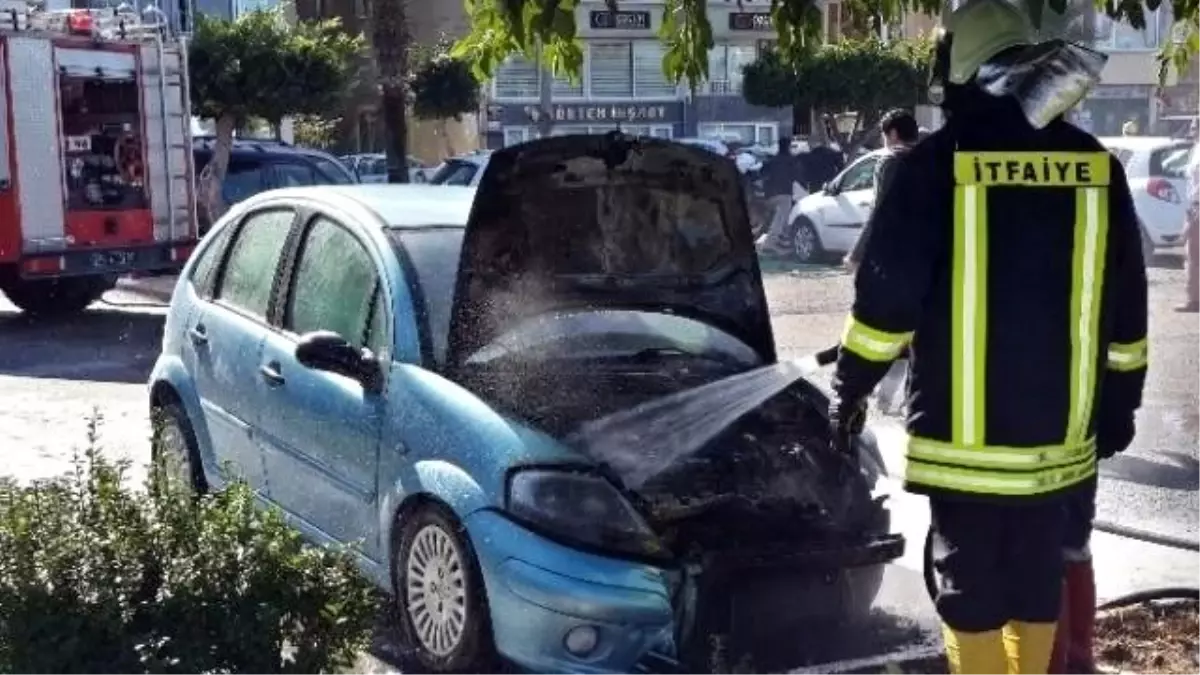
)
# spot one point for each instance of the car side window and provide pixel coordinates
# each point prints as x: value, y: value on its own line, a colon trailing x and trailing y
x: 335, y: 286
x: 204, y: 274
x: 243, y: 179
x: 249, y: 274
x: 292, y: 174
x: 861, y: 176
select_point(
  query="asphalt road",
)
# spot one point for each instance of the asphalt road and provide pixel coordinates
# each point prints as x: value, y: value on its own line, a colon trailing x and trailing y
x: 54, y: 377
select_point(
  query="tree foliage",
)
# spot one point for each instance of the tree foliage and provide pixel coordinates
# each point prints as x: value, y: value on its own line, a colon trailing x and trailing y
x: 260, y: 65
x: 503, y: 27
x: 443, y: 87
x: 866, y: 77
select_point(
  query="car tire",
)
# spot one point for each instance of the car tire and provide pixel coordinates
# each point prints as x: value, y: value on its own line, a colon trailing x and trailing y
x: 174, y: 446
x: 806, y: 243
x: 441, y: 602
x: 56, y: 297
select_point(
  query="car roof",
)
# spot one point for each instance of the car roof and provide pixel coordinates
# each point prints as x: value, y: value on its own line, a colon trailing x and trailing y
x: 397, y: 206
x: 244, y: 148
x: 1140, y: 143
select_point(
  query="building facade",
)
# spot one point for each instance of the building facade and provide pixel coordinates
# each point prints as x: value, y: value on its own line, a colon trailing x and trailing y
x: 622, y: 84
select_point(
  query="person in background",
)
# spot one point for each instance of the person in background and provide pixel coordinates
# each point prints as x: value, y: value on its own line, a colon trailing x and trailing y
x: 900, y: 134
x: 779, y: 172
x: 1129, y: 128
x: 1191, y: 233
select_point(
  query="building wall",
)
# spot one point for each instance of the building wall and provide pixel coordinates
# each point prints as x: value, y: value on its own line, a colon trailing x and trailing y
x: 622, y: 83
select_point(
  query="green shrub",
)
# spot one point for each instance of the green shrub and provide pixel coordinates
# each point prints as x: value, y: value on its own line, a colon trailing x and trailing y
x: 99, y: 577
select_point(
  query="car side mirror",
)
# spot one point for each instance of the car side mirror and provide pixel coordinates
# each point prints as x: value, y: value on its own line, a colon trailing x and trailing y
x: 830, y: 188
x: 330, y: 352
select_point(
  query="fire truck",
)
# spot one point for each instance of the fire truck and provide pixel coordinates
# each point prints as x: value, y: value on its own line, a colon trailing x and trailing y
x: 96, y: 166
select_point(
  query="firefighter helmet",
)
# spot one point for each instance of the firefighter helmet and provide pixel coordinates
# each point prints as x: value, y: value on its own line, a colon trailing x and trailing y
x: 971, y: 35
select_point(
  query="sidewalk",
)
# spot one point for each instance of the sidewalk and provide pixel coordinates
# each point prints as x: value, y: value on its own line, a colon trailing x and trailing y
x: 158, y: 288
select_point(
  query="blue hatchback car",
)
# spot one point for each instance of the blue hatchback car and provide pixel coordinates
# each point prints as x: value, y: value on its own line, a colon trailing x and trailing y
x: 404, y: 366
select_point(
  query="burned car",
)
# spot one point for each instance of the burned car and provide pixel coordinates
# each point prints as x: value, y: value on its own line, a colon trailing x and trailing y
x: 551, y: 409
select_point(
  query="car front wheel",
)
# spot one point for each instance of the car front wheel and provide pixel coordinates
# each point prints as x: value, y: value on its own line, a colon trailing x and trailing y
x: 439, y: 594
x: 807, y: 243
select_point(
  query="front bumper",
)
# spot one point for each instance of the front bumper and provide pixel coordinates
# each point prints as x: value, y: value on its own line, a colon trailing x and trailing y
x: 539, y: 591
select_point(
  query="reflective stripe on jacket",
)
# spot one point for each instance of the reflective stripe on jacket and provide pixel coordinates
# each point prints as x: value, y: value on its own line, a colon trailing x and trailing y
x: 1015, y: 278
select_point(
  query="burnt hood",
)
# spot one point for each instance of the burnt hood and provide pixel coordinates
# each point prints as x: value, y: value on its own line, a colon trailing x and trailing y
x: 575, y: 223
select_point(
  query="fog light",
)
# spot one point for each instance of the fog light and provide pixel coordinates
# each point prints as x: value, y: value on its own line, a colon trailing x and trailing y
x: 581, y: 640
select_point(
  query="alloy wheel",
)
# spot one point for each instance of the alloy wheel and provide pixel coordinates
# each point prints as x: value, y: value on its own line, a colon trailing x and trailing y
x: 806, y: 243
x: 435, y: 590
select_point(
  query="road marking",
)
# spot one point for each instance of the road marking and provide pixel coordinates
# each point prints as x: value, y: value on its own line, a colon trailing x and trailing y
x: 914, y: 653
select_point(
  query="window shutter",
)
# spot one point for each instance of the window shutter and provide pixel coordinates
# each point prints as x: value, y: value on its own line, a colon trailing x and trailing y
x: 517, y: 77
x: 611, y: 70
x: 563, y: 88
x: 648, y: 78
x: 718, y: 70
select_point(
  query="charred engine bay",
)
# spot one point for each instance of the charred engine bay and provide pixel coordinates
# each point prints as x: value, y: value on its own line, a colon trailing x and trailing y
x: 770, y: 477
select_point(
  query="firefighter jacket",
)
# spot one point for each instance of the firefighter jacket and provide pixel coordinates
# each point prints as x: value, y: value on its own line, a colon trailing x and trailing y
x: 1009, y: 260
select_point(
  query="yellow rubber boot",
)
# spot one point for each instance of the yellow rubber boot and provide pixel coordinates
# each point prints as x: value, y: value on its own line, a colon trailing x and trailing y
x: 974, y: 653
x: 1028, y: 646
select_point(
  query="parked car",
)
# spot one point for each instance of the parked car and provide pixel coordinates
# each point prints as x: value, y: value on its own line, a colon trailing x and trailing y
x: 828, y: 222
x: 390, y: 366
x: 372, y: 168
x: 1157, y: 172
x: 258, y: 165
x: 462, y: 171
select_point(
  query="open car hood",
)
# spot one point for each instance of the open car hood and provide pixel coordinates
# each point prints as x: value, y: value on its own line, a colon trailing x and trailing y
x: 604, y: 222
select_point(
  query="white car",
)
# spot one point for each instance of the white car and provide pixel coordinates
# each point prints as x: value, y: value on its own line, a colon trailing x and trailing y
x: 1157, y: 170
x: 827, y: 223
x: 464, y: 170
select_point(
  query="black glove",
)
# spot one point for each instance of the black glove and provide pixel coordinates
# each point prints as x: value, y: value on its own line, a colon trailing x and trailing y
x: 1114, y: 433
x: 846, y: 420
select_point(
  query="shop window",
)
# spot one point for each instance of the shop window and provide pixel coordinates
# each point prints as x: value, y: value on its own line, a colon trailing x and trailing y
x: 517, y: 77
x: 648, y: 78
x: 725, y: 64
x: 610, y: 69
x: 1121, y: 36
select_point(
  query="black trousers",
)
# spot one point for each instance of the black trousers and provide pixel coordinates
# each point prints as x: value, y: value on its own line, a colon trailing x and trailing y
x: 997, y: 563
x: 1081, y: 511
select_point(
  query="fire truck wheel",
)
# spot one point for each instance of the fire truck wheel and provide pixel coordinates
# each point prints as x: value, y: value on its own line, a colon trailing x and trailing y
x: 56, y: 297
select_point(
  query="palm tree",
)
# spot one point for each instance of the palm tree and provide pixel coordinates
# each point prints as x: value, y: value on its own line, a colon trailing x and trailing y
x: 389, y: 22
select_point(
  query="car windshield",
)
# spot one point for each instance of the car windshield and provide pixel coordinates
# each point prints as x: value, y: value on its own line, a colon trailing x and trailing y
x: 433, y: 254
x: 617, y: 334
x: 455, y: 172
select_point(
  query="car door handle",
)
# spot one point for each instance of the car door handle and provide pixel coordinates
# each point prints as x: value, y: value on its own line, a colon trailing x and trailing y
x: 271, y: 373
x: 199, y: 334
x: 864, y: 205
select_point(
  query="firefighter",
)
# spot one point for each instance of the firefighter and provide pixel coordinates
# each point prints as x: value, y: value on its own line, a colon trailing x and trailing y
x: 1006, y: 258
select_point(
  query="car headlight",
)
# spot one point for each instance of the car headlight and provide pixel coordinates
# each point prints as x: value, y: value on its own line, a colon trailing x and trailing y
x: 580, y: 508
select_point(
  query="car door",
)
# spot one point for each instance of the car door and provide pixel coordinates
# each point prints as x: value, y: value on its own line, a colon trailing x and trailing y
x: 224, y: 336
x: 322, y: 430
x: 847, y: 209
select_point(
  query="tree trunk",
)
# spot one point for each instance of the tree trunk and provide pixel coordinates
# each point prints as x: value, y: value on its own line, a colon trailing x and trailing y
x: 210, y: 201
x: 391, y: 40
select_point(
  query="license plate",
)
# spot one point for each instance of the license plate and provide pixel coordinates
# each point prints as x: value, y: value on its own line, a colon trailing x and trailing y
x: 110, y: 259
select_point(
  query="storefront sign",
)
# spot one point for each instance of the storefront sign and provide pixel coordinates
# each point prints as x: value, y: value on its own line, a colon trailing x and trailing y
x: 604, y: 113
x: 602, y: 20
x: 750, y: 21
